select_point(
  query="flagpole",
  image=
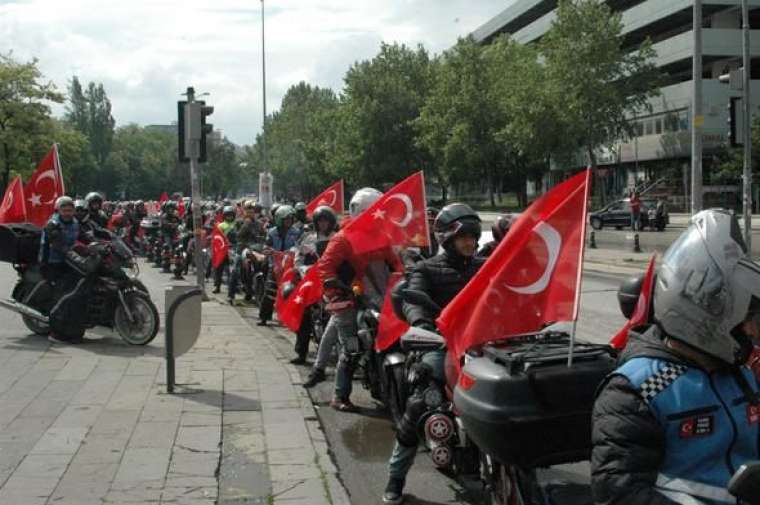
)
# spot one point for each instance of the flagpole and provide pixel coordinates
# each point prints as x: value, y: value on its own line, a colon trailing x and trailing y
x: 579, y: 279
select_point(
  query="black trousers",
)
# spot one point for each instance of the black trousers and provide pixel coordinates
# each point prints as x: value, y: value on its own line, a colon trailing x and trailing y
x: 303, y: 334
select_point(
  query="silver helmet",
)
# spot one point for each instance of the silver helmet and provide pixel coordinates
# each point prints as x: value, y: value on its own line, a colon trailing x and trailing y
x: 705, y: 286
x: 362, y: 200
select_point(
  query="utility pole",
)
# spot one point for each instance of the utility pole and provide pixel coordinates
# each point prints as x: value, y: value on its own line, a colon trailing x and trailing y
x: 747, y: 116
x: 265, y: 179
x: 697, y: 119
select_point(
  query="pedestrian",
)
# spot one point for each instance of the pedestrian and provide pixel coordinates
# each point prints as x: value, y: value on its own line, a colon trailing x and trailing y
x: 635, y: 202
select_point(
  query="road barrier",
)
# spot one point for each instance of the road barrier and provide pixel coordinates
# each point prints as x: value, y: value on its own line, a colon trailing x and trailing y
x: 183, y: 325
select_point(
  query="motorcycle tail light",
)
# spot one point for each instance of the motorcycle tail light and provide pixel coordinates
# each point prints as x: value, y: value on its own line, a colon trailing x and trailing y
x: 466, y: 381
x: 439, y: 428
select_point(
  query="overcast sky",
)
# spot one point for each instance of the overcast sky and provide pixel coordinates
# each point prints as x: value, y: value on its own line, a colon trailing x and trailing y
x: 146, y: 52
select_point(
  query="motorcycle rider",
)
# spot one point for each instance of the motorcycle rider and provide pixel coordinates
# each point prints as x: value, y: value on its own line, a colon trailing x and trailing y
x: 65, y: 269
x: 96, y: 218
x: 248, y: 231
x: 499, y: 230
x: 170, y: 221
x: 227, y: 227
x: 310, y: 248
x: 80, y: 210
x: 339, y: 268
x: 301, y: 218
x: 682, y: 412
x: 458, y: 230
x: 281, y: 237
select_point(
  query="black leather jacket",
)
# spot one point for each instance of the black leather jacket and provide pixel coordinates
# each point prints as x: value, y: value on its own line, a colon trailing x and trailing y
x: 441, y: 277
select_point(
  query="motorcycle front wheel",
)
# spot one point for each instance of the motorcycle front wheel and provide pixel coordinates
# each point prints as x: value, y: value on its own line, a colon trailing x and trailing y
x: 145, y: 325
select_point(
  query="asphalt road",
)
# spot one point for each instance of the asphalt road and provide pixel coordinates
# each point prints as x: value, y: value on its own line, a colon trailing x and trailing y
x: 361, y: 443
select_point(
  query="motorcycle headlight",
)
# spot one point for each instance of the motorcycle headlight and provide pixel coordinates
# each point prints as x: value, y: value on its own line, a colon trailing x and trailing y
x: 433, y: 397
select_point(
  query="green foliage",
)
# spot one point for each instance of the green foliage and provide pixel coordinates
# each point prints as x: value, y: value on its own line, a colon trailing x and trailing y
x: 24, y: 115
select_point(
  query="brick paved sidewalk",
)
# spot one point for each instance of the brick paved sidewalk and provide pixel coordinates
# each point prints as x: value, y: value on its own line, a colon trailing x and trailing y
x: 92, y: 424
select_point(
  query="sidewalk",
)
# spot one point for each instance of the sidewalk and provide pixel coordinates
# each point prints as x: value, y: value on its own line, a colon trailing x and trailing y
x: 91, y: 424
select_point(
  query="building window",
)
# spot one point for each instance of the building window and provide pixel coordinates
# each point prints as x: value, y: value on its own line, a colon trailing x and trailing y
x: 683, y: 121
x: 658, y: 126
x: 648, y: 127
x: 639, y: 129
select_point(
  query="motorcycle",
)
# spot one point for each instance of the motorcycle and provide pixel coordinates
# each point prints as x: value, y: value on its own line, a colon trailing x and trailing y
x: 116, y: 298
x: 180, y: 258
x: 149, y: 227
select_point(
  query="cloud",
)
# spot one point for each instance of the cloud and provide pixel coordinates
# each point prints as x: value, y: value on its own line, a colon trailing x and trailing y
x: 146, y: 52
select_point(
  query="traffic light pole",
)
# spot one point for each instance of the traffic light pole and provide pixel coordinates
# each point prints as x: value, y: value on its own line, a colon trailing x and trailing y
x: 747, y: 132
x: 195, y: 187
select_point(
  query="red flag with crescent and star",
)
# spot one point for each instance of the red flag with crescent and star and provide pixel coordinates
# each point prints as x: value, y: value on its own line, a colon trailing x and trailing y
x: 163, y: 198
x: 332, y: 197
x: 12, y: 209
x: 398, y: 218
x: 532, y: 278
x: 220, y: 247
x: 181, y: 208
x: 308, y: 292
x: 640, y: 316
x: 390, y: 327
x: 44, y: 187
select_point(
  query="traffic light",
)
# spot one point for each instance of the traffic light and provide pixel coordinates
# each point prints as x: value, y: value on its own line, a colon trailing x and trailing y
x: 206, y: 129
x: 193, y: 130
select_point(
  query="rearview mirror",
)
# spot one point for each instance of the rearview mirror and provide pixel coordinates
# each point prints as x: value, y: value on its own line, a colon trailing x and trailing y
x: 745, y: 484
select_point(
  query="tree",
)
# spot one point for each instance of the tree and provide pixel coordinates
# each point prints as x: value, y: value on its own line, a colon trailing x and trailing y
x: 382, y: 97
x: 90, y: 112
x: 459, y: 121
x: 596, y: 82
x: 24, y: 113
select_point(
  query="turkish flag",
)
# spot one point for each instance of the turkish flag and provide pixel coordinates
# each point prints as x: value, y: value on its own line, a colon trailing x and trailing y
x: 398, y: 218
x: 640, y: 315
x: 220, y: 247
x: 531, y: 279
x: 13, y: 209
x: 163, y: 198
x: 391, y: 327
x: 332, y: 197
x: 308, y: 292
x: 181, y: 208
x: 44, y: 187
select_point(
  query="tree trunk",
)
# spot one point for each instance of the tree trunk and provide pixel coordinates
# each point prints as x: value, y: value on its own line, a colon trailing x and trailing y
x: 490, y: 187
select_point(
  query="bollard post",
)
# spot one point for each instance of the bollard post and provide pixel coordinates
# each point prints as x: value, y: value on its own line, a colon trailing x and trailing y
x: 592, y: 240
x: 636, y: 245
x: 170, y: 371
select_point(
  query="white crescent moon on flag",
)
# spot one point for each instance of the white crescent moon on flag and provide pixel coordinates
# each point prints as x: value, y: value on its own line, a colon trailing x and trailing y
x: 409, y: 209
x: 553, y: 241
x: 332, y: 200
x: 305, y: 285
x: 49, y: 174
x: 220, y: 239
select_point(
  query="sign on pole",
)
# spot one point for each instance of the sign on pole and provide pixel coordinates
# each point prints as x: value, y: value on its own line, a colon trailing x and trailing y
x: 265, y: 190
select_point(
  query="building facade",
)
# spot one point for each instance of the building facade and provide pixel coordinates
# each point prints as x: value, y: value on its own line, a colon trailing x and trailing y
x: 661, y: 146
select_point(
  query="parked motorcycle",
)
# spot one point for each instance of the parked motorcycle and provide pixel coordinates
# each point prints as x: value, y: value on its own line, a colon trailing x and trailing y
x: 115, y: 298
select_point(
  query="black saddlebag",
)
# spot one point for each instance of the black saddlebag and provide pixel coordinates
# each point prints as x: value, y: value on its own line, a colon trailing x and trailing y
x: 19, y: 243
x: 521, y: 403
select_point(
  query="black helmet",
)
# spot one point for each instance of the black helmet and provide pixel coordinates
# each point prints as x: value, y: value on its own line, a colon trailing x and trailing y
x: 628, y: 294
x: 93, y: 197
x: 501, y: 226
x: 228, y: 211
x: 300, y: 206
x: 80, y: 205
x: 325, y: 212
x: 456, y: 219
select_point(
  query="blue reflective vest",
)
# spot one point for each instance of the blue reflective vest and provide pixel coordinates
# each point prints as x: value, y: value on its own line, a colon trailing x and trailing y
x: 710, y: 427
x: 70, y: 230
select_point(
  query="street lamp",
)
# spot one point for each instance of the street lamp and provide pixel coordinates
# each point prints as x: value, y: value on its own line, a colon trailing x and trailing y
x: 265, y: 179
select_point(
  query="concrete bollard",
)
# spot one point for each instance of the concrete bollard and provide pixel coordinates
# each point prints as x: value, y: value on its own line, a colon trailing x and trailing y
x: 592, y: 240
x: 636, y: 245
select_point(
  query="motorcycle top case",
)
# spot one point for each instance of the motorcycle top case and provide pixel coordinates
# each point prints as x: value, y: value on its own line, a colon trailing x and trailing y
x: 19, y: 243
x: 522, y: 405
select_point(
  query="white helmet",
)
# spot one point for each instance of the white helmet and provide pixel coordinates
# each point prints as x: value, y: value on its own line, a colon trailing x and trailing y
x: 705, y: 286
x: 63, y: 201
x: 362, y: 200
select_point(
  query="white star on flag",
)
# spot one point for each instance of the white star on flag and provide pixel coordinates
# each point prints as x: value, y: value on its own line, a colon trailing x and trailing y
x: 35, y: 199
x: 298, y: 300
x: 379, y: 214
